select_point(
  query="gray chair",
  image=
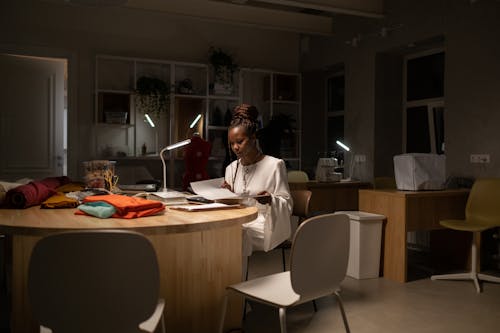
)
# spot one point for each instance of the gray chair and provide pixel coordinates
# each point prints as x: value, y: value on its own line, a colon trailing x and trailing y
x: 318, y: 264
x: 95, y: 281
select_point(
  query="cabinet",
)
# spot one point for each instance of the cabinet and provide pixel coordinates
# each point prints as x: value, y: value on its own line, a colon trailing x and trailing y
x: 123, y: 129
x: 277, y: 96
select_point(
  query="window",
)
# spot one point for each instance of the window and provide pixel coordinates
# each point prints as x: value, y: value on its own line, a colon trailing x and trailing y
x: 335, y: 92
x: 424, y: 103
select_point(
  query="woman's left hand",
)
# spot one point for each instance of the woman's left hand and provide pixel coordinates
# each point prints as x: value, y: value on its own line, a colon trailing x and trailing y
x: 264, y: 198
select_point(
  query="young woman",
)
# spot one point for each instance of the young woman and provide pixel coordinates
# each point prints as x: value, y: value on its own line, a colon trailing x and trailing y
x: 263, y: 177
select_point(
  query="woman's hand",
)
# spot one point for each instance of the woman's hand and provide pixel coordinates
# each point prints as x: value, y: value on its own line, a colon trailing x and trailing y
x: 226, y: 185
x: 264, y: 198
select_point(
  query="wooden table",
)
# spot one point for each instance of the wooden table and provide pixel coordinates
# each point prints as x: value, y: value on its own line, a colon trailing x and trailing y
x: 329, y: 197
x: 409, y: 211
x: 199, y: 255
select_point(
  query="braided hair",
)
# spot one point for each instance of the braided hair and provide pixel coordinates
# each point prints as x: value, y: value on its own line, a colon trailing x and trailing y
x: 245, y: 115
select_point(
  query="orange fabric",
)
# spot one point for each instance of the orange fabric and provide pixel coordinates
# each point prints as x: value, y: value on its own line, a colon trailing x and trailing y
x: 127, y: 207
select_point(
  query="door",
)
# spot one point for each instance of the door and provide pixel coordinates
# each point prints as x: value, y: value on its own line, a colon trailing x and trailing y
x: 32, y: 104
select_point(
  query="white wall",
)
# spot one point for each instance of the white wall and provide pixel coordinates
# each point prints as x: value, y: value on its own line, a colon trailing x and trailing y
x: 472, y: 78
x: 83, y: 32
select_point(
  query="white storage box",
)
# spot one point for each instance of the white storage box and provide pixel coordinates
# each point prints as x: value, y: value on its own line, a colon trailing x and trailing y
x: 365, y: 244
x: 420, y: 171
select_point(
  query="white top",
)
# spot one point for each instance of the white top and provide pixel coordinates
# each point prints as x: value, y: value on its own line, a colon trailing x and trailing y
x: 272, y: 225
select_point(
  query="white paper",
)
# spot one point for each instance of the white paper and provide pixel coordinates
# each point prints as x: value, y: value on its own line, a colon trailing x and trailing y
x: 170, y: 194
x: 210, y: 206
x: 212, y: 190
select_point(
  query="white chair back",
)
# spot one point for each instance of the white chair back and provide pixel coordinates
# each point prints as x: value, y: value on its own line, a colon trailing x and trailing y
x: 297, y: 176
x: 93, y: 281
x: 319, y: 257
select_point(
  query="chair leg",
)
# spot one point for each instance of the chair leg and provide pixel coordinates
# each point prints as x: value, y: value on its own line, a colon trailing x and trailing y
x: 282, y: 312
x: 473, y: 274
x: 223, y: 314
x: 163, y: 328
x: 342, y: 311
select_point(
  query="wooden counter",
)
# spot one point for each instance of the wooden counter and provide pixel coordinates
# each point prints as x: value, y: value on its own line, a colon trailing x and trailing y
x: 409, y: 211
x: 328, y: 197
x: 199, y: 254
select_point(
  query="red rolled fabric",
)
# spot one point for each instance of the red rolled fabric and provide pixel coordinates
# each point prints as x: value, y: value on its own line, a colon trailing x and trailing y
x: 34, y: 193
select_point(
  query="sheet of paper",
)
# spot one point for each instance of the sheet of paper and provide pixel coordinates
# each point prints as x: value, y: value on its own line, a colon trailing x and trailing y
x: 170, y: 194
x: 211, y: 189
x: 210, y: 206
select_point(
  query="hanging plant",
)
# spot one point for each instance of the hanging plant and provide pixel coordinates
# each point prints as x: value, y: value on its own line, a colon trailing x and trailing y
x: 223, y: 64
x: 152, y: 96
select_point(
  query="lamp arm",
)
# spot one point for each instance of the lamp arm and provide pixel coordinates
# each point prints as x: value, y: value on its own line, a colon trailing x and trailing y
x: 164, y: 189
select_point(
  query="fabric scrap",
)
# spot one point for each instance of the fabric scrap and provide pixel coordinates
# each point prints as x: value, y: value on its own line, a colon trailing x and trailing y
x: 98, y: 209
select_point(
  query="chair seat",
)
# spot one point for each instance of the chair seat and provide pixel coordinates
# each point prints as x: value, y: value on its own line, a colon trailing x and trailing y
x: 466, y: 225
x: 275, y: 289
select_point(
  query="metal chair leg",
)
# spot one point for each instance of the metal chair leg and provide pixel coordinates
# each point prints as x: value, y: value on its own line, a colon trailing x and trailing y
x: 282, y: 312
x: 342, y: 311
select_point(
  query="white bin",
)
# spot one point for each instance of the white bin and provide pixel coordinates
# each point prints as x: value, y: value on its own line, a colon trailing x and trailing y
x: 365, y: 244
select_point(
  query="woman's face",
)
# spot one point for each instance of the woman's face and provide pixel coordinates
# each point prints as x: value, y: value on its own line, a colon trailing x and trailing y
x: 241, y: 144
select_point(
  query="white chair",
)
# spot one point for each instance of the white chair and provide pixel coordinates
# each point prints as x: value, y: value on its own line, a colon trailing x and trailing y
x: 95, y: 281
x: 318, y: 263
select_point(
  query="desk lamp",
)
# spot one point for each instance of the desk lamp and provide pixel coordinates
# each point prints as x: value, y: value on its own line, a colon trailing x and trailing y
x: 171, y: 147
x: 351, y: 165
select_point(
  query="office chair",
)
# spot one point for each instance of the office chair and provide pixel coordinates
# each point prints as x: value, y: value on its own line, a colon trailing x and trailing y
x: 297, y: 176
x: 95, y: 281
x: 482, y: 212
x: 318, y: 264
x: 301, y: 199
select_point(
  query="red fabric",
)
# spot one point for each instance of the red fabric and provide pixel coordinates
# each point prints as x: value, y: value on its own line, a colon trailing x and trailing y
x: 196, y: 159
x: 34, y: 193
x: 127, y: 207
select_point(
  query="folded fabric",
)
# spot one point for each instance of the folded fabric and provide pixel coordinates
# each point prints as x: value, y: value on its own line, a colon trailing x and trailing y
x: 98, y: 209
x: 34, y: 193
x: 71, y: 187
x: 127, y: 207
x: 59, y: 200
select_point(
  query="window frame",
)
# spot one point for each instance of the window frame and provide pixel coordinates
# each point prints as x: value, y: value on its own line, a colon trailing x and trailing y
x: 333, y: 114
x: 429, y: 103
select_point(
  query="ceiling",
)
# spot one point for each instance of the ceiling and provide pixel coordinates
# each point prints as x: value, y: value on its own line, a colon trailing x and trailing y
x: 303, y: 16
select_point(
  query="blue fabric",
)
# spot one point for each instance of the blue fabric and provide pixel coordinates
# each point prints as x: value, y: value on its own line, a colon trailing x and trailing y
x: 99, y: 209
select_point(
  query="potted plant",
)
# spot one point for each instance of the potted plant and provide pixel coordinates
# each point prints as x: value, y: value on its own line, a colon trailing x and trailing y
x: 224, y: 67
x: 152, y: 95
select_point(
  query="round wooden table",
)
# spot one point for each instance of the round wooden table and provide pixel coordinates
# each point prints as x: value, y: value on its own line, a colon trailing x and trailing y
x: 199, y: 254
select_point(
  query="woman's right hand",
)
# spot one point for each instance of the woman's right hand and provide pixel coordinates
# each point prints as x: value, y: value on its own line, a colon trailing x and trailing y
x: 226, y: 185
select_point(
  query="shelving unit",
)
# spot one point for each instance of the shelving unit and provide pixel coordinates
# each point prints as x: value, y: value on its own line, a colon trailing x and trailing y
x: 121, y: 129
x: 277, y: 95
x: 116, y: 83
